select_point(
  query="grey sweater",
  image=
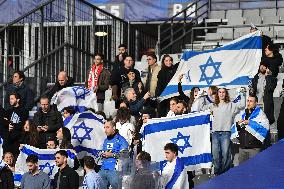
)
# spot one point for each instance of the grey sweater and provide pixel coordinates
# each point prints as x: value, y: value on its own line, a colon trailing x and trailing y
x: 38, y: 181
x: 224, y: 113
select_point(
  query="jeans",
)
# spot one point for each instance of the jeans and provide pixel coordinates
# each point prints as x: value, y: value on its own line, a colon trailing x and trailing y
x: 110, y: 177
x: 221, y: 151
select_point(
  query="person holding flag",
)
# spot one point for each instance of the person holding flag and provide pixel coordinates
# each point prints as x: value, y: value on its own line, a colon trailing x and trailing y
x: 174, y: 173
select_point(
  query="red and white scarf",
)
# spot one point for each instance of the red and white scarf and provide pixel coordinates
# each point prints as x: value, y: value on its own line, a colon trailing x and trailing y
x: 94, y: 76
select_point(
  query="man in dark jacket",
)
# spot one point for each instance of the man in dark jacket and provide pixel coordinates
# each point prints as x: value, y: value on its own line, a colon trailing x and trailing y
x: 47, y: 120
x: 62, y: 82
x: 119, y: 77
x: 135, y: 105
x: 249, y: 144
x: 98, y: 79
x: 17, y: 117
x: 66, y: 177
x: 18, y: 86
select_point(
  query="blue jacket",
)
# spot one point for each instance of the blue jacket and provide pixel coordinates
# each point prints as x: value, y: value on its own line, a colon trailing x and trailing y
x: 115, y: 145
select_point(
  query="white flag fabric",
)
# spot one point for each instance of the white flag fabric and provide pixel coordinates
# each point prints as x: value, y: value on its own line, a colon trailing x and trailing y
x: 191, y: 132
x: 46, y: 161
x: 258, y: 125
x: 230, y: 66
x: 87, y: 131
x: 78, y: 97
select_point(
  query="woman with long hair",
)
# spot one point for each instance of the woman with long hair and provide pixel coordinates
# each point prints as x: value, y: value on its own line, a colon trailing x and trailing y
x: 123, y: 125
x: 224, y: 112
x: 30, y: 135
x: 165, y: 75
x: 63, y: 136
x: 273, y: 59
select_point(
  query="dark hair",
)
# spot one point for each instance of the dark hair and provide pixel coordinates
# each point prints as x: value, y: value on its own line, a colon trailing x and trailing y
x: 274, y: 48
x: 172, y: 147
x: 17, y: 96
x: 62, y: 153
x: 66, y: 141
x: 153, y: 56
x: 89, y: 162
x: 33, y: 134
x: 53, y: 139
x: 164, y: 58
x: 98, y: 54
x: 174, y: 99
x: 191, y: 98
x: 148, y: 110
x: 9, y: 153
x: 214, y: 89
x: 144, y: 156
x: 111, y: 122
x: 263, y: 63
x: 70, y: 110
x: 21, y: 74
x: 44, y: 97
x: 123, y: 114
x: 227, y: 97
x: 254, y: 96
x: 122, y: 45
x: 183, y: 103
x: 32, y: 158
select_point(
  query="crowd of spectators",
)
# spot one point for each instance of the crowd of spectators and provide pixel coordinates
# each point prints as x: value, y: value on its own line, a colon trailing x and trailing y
x: 136, y: 102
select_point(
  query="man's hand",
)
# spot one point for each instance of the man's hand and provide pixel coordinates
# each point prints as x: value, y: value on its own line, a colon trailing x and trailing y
x: 180, y: 78
x: 147, y: 95
x: 245, y: 122
x: 11, y: 127
x: 44, y: 128
x: 107, y: 154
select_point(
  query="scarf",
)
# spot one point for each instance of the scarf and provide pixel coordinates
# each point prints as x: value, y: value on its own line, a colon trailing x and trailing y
x: 94, y: 76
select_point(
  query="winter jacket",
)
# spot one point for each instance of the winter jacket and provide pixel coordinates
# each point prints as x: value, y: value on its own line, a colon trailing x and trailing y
x: 69, y: 178
x: 6, y: 178
x: 153, y: 80
x: 273, y: 63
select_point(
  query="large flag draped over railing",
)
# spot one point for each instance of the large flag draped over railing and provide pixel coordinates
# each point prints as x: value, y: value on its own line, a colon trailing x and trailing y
x: 232, y: 65
x: 87, y: 131
x: 191, y: 132
x: 46, y: 161
x: 78, y: 97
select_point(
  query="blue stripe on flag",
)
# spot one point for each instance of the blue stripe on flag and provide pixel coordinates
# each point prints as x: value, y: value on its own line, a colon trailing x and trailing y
x: 175, y: 124
x: 89, y: 150
x: 178, y: 170
x: 171, y: 89
x: 247, y: 43
x: 90, y: 116
x: 258, y: 128
x: 45, y: 156
x: 192, y: 160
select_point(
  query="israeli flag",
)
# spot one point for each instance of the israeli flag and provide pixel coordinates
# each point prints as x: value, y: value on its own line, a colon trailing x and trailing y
x: 258, y: 125
x: 46, y: 161
x: 174, y: 175
x: 1, y: 147
x: 87, y: 131
x: 230, y: 66
x: 191, y: 132
x: 78, y: 96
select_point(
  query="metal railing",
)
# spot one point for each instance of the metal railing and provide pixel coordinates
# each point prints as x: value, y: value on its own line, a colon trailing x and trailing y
x: 63, y: 35
x: 173, y: 33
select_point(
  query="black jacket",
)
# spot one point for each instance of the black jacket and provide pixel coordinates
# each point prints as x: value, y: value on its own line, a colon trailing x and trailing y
x: 273, y: 63
x: 6, y: 179
x: 52, y: 119
x: 27, y: 96
x: 271, y: 83
x: 136, y: 106
x: 57, y: 87
x: 246, y: 139
x: 69, y: 179
x: 164, y: 77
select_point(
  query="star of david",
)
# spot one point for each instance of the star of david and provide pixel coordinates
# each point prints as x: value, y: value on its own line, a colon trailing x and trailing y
x: 210, y: 63
x: 47, y: 165
x: 80, y: 92
x: 185, y: 139
x: 87, y: 130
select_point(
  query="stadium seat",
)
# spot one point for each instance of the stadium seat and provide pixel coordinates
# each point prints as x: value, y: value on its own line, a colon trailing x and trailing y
x: 216, y: 16
x: 252, y: 16
x: 235, y: 17
x: 227, y: 33
x: 267, y: 12
x: 280, y: 13
x: 213, y: 36
x: 240, y: 32
x: 270, y: 19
